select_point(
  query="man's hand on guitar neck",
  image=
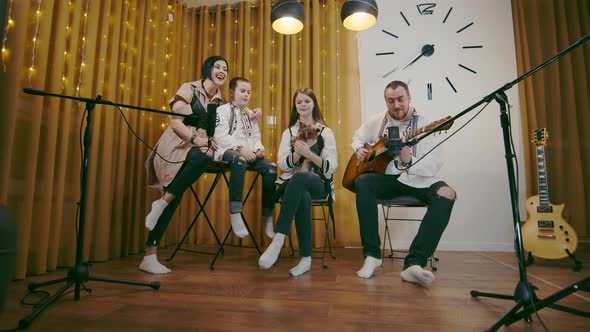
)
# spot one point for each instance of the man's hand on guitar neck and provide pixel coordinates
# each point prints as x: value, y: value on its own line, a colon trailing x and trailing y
x: 361, y: 154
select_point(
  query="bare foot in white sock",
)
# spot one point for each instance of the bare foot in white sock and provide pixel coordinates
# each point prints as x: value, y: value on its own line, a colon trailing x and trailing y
x: 369, y: 267
x: 237, y: 224
x: 417, y: 274
x: 151, y: 265
x: 270, y: 255
x: 303, y: 266
x: 268, y: 226
x: 158, y: 207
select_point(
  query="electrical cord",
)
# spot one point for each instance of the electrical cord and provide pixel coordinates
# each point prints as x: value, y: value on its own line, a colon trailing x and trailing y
x: 146, y: 144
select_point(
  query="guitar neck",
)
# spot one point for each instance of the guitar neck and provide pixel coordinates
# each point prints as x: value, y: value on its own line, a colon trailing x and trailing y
x: 415, y: 133
x: 544, y: 204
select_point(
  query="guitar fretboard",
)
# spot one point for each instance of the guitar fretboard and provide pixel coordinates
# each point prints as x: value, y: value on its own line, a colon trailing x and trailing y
x: 543, y: 183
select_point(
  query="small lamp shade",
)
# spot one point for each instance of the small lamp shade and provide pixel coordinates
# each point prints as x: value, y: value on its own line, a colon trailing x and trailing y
x: 359, y: 14
x: 287, y: 17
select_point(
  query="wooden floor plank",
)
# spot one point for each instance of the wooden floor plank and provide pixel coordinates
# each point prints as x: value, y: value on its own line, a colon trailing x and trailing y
x: 237, y: 296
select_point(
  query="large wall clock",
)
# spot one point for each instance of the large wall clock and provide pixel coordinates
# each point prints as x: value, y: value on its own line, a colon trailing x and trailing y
x: 435, y: 47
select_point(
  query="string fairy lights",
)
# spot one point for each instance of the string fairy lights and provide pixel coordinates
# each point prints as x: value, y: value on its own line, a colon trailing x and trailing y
x: 64, y: 80
x: 169, y: 19
x: 323, y: 59
x: 83, y: 51
x: 37, y: 22
x: 272, y: 118
x: 9, y: 24
x: 338, y: 94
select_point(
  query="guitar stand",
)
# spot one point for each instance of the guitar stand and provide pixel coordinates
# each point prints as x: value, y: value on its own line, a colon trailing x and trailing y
x: 577, y: 264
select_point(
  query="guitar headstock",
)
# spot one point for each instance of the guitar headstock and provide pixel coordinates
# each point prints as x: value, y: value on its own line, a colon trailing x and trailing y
x: 435, y: 124
x: 540, y: 136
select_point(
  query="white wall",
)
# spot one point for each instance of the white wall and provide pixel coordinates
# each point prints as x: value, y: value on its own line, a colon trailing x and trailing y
x: 474, y: 158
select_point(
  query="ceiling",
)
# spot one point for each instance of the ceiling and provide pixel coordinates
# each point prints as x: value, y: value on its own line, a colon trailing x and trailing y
x: 200, y: 3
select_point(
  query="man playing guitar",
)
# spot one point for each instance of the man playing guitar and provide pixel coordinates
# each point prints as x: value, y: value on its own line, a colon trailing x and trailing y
x: 401, y: 178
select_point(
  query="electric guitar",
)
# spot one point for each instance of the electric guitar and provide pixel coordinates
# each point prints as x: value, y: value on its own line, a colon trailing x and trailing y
x: 379, y: 156
x: 545, y: 233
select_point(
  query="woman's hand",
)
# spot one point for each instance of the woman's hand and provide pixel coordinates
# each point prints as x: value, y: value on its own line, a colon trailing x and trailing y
x: 259, y: 153
x: 207, y: 151
x: 204, y: 142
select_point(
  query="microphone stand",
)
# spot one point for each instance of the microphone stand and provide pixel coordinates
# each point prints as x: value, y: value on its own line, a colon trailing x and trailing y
x: 80, y: 274
x: 524, y: 294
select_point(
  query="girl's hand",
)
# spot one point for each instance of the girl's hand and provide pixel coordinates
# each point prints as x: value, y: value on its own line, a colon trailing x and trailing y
x: 247, y: 154
x: 256, y: 114
x: 302, y: 148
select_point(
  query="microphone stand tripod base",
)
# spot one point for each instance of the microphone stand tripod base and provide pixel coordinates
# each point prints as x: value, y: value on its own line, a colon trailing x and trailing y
x: 79, y: 274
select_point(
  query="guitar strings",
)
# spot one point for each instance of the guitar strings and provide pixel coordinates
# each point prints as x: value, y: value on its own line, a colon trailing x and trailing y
x: 449, y: 137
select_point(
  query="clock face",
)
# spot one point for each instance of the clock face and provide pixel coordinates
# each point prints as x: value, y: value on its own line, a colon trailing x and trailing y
x: 433, y: 47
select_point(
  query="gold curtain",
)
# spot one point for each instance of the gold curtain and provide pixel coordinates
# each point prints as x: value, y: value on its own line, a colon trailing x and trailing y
x: 138, y: 52
x: 557, y: 98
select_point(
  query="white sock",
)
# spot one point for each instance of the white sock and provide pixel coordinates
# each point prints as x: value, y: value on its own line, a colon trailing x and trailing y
x: 270, y: 255
x: 158, y: 207
x: 371, y: 263
x: 237, y: 224
x: 151, y: 265
x: 417, y: 274
x: 268, y: 226
x: 303, y: 266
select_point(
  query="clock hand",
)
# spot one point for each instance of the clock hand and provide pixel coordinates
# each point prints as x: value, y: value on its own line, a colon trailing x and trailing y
x: 389, y: 72
x: 427, y: 50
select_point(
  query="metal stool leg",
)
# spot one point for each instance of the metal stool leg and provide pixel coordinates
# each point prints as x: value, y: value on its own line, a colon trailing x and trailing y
x: 201, y: 210
x: 229, y: 231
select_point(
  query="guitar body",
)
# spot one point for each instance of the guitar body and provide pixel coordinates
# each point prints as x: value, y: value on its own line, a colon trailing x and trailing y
x: 546, y: 234
x: 380, y: 156
x: 376, y: 162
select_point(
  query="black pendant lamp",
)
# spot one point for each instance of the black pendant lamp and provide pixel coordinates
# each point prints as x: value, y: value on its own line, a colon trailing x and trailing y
x: 287, y: 17
x: 359, y: 14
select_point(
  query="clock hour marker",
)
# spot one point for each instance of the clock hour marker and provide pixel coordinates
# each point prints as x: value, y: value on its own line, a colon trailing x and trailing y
x: 451, y: 84
x: 389, y: 33
x: 473, y: 46
x: 465, y: 27
x: 389, y: 72
x: 467, y: 68
x: 405, y: 19
x: 384, y: 53
x: 429, y: 90
x: 447, y: 16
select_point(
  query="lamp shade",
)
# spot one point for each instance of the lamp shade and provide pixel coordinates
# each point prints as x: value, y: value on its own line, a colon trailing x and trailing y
x: 359, y: 14
x: 287, y: 17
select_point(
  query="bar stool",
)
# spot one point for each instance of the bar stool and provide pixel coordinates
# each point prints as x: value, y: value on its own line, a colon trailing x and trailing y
x: 401, y: 202
x: 219, y: 168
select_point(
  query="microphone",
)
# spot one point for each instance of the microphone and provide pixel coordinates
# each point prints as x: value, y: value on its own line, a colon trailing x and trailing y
x: 211, y: 122
x: 394, y: 144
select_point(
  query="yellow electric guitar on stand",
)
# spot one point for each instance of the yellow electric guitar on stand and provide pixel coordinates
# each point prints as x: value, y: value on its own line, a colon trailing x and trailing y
x: 546, y: 234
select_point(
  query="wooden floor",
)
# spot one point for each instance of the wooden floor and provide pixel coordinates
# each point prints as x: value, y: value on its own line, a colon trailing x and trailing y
x: 237, y: 296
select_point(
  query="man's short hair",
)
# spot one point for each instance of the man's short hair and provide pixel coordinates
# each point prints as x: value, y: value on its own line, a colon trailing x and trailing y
x: 397, y: 84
